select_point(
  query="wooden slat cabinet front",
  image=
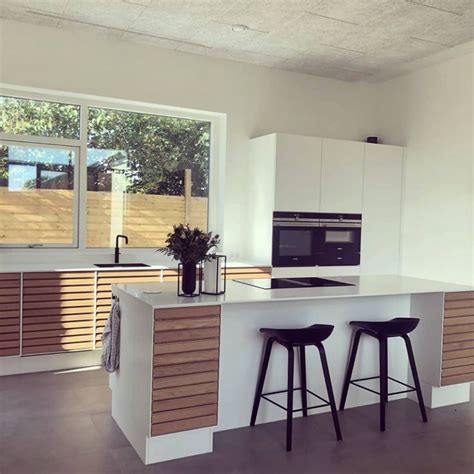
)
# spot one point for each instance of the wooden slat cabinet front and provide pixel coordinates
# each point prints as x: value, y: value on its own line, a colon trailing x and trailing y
x: 105, y: 280
x: 458, y: 338
x: 58, y: 312
x: 185, y: 369
x: 10, y: 295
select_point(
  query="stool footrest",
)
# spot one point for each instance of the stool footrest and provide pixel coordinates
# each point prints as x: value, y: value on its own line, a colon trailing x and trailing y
x: 354, y: 382
x: 265, y: 397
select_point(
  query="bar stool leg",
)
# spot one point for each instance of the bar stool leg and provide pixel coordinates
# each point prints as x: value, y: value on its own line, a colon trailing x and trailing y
x: 289, y: 404
x: 350, y: 368
x: 332, y: 401
x: 383, y: 380
x: 261, y: 380
x: 304, y: 395
x: 416, y: 380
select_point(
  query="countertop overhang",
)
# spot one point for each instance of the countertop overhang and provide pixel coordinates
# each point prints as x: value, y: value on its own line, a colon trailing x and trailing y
x: 164, y: 295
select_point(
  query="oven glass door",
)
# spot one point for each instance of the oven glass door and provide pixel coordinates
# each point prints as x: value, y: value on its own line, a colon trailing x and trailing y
x: 293, y: 246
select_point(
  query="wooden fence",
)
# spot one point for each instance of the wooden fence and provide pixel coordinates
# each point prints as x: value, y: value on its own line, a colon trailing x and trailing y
x: 45, y: 216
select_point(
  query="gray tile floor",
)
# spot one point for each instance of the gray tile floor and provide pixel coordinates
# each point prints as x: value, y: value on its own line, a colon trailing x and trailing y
x: 60, y: 423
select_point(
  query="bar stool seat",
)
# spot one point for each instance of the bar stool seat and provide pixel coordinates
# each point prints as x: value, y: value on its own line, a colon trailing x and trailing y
x: 382, y: 331
x: 290, y: 339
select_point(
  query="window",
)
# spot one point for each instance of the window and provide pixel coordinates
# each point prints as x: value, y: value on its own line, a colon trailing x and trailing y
x: 38, y: 118
x: 144, y: 173
x: 77, y: 174
x: 37, y: 194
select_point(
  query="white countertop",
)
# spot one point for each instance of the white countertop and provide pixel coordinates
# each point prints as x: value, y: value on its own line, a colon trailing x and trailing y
x: 162, y: 295
x: 59, y: 265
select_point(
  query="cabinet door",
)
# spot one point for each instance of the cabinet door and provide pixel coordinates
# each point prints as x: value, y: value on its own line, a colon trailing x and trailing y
x: 9, y: 314
x: 381, y: 216
x: 58, y: 312
x: 342, y: 176
x: 298, y: 173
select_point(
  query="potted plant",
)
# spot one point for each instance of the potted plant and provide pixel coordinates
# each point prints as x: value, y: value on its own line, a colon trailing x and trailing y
x: 189, y: 246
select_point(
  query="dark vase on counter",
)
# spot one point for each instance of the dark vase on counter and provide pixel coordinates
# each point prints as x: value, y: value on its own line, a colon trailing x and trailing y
x: 188, y: 279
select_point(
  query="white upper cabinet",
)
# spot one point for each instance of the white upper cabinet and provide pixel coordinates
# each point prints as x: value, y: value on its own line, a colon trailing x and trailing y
x: 342, y: 176
x: 298, y: 173
x: 381, y: 218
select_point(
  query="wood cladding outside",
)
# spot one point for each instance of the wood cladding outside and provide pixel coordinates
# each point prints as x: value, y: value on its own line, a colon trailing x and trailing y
x: 458, y: 338
x: 58, y: 312
x: 186, y: 369
x: 10, y: 295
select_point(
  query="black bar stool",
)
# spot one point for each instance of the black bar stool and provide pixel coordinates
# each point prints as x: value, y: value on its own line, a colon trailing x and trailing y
x: 291, y: 338
x: 382, y: 331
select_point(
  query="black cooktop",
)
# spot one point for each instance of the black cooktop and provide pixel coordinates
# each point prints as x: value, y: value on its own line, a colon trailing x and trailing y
x: 303, y: 282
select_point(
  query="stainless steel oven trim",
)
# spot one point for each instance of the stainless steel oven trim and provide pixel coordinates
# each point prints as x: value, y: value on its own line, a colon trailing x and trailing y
x: 340, y: 225
x: 295, y: 224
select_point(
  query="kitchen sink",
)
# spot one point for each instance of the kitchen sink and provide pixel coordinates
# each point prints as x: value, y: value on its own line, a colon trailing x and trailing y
x: 120, y: 265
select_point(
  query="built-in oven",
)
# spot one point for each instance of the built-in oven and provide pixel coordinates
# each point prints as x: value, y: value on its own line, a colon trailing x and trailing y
x: 338, y: 239
x: 294, y: 239
x: 306, y: 239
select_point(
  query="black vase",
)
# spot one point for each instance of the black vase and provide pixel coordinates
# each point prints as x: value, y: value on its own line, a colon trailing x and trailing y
x: 188, y: 280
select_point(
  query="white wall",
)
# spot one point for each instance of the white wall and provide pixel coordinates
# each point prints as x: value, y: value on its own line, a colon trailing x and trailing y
x: 431, y: 112
x: 257, y: 100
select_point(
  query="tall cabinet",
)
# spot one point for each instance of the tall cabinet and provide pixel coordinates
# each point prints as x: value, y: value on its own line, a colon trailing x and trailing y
x: 310, y: 174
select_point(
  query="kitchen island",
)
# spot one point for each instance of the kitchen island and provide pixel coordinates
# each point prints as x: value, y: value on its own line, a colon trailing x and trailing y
x: 188, y: 366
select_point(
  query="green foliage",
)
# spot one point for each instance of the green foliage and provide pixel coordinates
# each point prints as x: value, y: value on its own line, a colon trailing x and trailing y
x: 189, y: 245
x: 38, y: 118
x: 158, y: 149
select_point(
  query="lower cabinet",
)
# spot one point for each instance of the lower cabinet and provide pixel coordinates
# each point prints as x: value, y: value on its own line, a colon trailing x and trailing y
x: 10, y: 294
x: 58, y: 312
x: 105, y: 280
x: 185, y: 369
x: 458, y: 338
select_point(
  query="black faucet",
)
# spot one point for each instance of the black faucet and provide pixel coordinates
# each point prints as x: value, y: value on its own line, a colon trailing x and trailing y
x: 117, y: 250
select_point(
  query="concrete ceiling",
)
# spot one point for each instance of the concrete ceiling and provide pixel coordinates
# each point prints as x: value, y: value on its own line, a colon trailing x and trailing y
x: 351, y: 40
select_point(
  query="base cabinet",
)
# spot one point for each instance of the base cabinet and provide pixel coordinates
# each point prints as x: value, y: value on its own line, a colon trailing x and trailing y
x: 10, y: 294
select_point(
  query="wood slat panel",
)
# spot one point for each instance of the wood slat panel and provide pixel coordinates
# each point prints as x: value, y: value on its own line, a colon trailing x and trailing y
x: 58, y: 348
x: 9, y: 322
x: 10, y: 306
x: 58, y: 282
x: 185, y: 346
x: 58, y: 304
x: 15, y: 313
x: 457, y: 321
x: 58, y: 326
x: 59, y: 290
x: 5, y: 299
x: 458, y: 362
x: 10, y: 352
x: 455, y: 379
x: 453, y: 346
x: 127, y: 273
x: 10, y: 344
x: 459, y: 304
x: 459, y: 370
x: 467, y: 336
x: 9, y: 291
x: 182, y: 369
x: 185, y: 402
x: 10, y: 336
x: 184, y: 391
x: 184, y: 324
x: 459, y: 329
x: 87, y: 331
x: 10, y: 284
x: 57, y: 275
x: 183, y: 425
x: 88, y: 310
x: 184, y: 414
x: 14, y: 328
x: 187, y: 357
x: 460, y: 295
x: 186, y: 335
x: 181, y: 380
x: 9, y: 277
x: 85, y: 320
x: 187, y: 312
x: 453, y: 313
x: 458, y: 354
x: 43, y: 340
x: 58, y: 297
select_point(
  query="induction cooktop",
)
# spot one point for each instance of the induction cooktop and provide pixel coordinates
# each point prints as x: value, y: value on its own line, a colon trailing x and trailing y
x: 303, y: 282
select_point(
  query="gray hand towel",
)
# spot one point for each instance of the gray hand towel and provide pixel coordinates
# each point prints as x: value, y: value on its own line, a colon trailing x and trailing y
x: 111, y: 339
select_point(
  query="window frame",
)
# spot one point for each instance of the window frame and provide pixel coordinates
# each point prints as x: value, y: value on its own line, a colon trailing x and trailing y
x: 218, y: 123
